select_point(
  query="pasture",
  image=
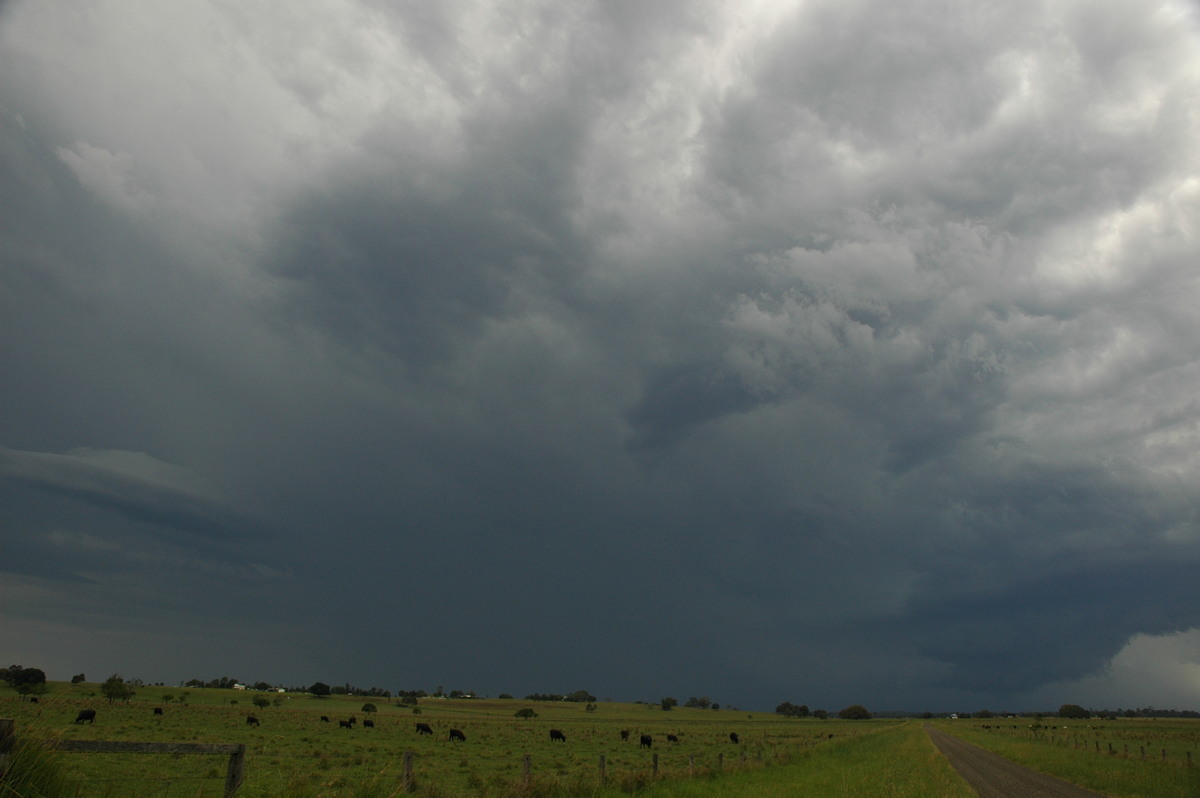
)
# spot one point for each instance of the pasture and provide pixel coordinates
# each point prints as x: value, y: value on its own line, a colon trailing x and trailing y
x: 292, y: 752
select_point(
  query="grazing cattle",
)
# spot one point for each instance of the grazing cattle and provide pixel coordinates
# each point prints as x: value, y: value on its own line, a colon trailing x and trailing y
x: 158, y: 710
x: 324, y: 718
x: 345, y: 724
x: 647, y: 741
x: 733, y: 738
x: 86, y: 714
x: 34, y: 699
x: 455, y: 734
x: 624, y: 735
x: 251, y: 720
x: 368, y: 724
x: 671, y: 738
x: 423, y: 728
x: 353, y: 720
x: 555, y: 734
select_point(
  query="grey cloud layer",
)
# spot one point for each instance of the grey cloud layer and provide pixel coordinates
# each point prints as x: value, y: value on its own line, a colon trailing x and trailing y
x: 695, y: 336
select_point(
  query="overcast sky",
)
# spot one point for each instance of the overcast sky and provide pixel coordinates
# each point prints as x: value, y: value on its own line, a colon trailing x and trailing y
x: 829, y: 351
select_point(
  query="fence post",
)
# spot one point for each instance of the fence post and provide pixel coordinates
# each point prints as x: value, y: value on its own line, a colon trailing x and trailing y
x: 409, y: 786
x: 692, y: 764
x: 656, y: 764
x: 603, y: 775
x: 6, y: 741
x: 527, y: 769
x: 720, y: 762
x: 233, y: 774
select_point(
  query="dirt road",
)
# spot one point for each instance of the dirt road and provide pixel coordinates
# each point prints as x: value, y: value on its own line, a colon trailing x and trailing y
x: 993, y: 776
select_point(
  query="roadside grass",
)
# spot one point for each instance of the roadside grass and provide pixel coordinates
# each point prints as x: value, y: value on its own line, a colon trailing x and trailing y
x: 892, y: 762
x: 1079, y: 752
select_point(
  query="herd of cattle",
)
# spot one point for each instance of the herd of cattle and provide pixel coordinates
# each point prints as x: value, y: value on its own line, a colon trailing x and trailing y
x: 556, y: 735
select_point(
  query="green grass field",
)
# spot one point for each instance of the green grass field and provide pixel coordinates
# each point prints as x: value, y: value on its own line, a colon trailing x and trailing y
x: 293, y: 753
x: 1127, y: 758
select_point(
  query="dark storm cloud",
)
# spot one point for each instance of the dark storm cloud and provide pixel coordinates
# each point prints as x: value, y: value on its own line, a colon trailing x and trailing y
x: 819, y: 352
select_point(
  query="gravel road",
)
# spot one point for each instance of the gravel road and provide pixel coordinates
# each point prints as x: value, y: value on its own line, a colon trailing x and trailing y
x: 993, y: 776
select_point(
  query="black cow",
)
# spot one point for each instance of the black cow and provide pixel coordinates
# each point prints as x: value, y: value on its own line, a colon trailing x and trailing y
x: 423, y: 728
x: 158, y: 710
x: 251, y: 720
x: 345, y: 724
x: 455, y: 734
x: 555, y: 734
x: 624, y: 735
x: 86, y: 714
x: 353, y: 720
x: 368, y: 724
x: 647, y: 741
x: 733, y: 738
x: 324, y: 718
x: 671, y: 738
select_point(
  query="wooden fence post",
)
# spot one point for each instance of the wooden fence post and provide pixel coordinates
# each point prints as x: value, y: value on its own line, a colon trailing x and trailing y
x: 720, y: 762
x: 233, y: 774
x: 409, y: 785
x: 603, y: 775
x: 656, y: 764
x: 527, y: 769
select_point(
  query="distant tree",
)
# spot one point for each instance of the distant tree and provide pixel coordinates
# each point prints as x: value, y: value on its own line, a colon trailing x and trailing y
x: 1073, y: 711
x: 581, y: 696
x: 590, y: 708
x: 984, y: 713
x: 820, y: 714
x: 788, y: 709
x: 699, y: 703
x: 78, y: 678
x: 28, y: 681
x: 168, y: 698
x: 716, y: 706
x: 23, y: 680
x: 369, y: 708
x: 262, y: 686
x: 319, y: 689
x: 117, y: 689
x: 525, y: 712
x: 504, y: 695
x: 261, y: 701
x: 855, y: 712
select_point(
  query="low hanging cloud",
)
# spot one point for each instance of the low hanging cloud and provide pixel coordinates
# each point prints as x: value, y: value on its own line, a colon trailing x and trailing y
x: 822, y: 352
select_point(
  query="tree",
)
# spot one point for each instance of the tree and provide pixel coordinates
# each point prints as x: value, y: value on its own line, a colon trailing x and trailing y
x: 117, y: 689
x: 26, y: 681
x: 855, y: 712
x: 1073, y: 711
x: 525, y: 712
x: 319, y: 688
x: 820, y: 714
x: 78, y: 678
x: 261, y: 701
x: 667, y: 703
x: 790, y: 710
x: 369, y: 708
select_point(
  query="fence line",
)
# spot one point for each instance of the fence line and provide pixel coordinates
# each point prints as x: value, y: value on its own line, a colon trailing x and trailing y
x: 235, y: 751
